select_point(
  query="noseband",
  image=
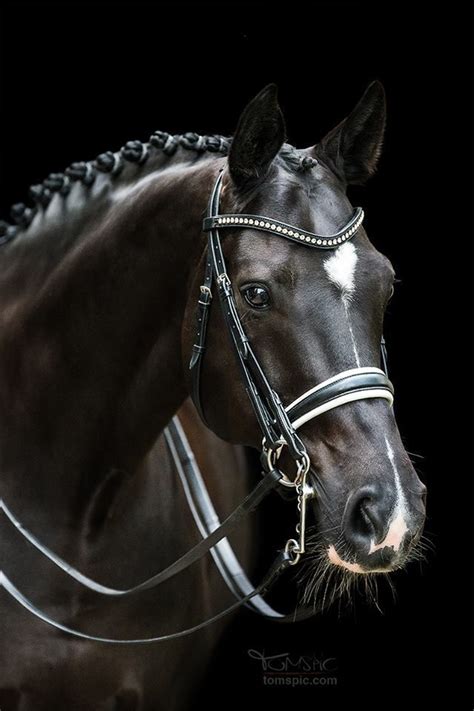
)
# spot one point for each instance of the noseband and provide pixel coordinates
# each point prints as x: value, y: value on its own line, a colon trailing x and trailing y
x: 277, y: 422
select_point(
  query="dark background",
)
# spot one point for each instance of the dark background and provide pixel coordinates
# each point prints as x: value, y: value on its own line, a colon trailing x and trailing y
x: 78, y: 78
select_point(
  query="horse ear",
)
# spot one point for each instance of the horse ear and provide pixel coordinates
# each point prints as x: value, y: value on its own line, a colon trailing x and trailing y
x: 352, y: 149
x: 259, y: 136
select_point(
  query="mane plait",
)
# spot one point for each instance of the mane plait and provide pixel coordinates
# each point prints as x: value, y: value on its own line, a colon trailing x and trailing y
x: 40, y: 195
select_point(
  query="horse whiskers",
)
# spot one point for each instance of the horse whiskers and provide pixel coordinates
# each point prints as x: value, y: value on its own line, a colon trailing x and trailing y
x: 392, y: 587
x: 321, y: 584
x: 372, y: 593
x: 414, y: 454
x: 420, y: 550
x: 425, y: 544
x: 314, y: 535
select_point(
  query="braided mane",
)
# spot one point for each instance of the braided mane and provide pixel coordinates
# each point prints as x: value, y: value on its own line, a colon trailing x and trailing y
x: 41, y: 194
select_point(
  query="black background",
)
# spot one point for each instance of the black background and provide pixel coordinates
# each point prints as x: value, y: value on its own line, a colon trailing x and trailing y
x: 77, y: 79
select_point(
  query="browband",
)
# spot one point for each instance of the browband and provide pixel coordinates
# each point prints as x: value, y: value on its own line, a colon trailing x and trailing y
x: 267, y: 224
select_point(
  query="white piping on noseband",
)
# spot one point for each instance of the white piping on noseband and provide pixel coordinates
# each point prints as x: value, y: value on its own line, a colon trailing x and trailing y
x: 362, y: 394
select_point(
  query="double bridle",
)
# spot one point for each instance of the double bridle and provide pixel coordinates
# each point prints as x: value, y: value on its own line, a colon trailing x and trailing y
x: 278, y: 424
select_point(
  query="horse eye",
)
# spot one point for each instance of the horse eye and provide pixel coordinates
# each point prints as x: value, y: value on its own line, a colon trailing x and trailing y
x: 257, y: 296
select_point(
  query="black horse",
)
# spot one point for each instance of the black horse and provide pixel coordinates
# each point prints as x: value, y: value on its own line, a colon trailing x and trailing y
x: 98, y: 288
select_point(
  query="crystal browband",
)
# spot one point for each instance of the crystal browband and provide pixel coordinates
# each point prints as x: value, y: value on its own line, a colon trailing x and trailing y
x: 258, y: 222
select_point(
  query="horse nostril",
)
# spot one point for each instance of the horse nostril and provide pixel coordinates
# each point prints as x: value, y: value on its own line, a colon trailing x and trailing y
x: 366, y: 516
x: 367, y: 519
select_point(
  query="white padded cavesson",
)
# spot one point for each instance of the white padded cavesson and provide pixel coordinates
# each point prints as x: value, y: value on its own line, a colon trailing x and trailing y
x: 362, y: 394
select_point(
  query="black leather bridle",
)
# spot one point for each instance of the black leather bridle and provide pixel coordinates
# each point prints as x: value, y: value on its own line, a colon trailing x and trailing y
x: 270, y: 413
x: 277, y: 422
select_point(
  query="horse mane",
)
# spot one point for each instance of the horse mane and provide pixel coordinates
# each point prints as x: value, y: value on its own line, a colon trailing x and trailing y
x: 41, y: 194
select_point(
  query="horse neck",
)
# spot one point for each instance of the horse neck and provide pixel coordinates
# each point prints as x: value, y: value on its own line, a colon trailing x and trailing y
x: 90, y: 362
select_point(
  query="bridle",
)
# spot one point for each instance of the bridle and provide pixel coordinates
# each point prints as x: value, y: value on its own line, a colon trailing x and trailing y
x: 278, y: 424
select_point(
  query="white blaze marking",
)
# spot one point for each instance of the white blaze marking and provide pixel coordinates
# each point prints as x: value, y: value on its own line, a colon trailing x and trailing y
x: 398, y: 527
x: 340, y: 268
x: 354, y: 344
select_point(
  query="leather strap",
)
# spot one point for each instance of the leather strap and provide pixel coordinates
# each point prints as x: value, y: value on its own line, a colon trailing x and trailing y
x: 242, y: 588
x: 202, y: 318
x: 383, y: 355
x: 207, y: 520
x: 356, y: 384
x: 269, y: 411
x: 282, y: 229
x: 269, y: 481
x: 281, y: 563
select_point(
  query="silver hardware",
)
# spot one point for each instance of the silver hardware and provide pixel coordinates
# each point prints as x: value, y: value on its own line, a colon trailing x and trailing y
x: 328, y: 242
x: 205, y: 290
x: 302, y: 468
x: 275, y: 452
x: 291, y: 548
x: 298, y: 547
x: 302, y: 465
x: 223, y: 278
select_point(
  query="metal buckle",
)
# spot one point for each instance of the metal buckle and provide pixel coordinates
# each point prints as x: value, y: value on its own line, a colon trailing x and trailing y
x: 223, y: 279
x: 224, y: 285
x: 302, y: 464
x: 205, y: 290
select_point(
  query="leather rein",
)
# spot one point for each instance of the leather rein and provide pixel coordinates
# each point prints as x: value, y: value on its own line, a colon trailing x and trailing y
x: 278, y: 424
